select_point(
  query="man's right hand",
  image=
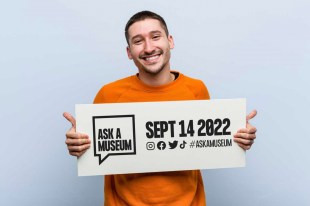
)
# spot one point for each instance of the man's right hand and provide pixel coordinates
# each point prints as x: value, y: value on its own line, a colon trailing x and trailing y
x: 77, y: 143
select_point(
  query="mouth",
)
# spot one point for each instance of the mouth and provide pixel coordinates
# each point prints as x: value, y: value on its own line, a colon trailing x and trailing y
x: 151, y: 59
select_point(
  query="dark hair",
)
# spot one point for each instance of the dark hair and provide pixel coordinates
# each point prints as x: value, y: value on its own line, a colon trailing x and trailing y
x: 142, y: 15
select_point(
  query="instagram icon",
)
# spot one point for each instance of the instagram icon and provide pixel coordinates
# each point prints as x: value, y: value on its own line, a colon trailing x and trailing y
x: 150, y: 145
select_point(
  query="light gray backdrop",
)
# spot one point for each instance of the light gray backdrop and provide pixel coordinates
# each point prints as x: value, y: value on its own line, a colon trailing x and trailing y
x: 54, y: 54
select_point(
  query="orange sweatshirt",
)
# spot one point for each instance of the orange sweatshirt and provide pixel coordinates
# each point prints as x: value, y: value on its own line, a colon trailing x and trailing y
x: 177, y: 188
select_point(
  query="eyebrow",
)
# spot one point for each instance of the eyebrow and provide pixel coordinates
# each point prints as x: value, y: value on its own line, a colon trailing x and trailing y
x: 152, y: 32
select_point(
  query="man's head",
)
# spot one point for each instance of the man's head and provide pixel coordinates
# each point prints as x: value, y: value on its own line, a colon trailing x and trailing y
x: 149, y: 43
x: 142, y: 15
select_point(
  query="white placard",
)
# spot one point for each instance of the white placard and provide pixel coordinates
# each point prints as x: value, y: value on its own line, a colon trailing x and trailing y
x: 160, y: 136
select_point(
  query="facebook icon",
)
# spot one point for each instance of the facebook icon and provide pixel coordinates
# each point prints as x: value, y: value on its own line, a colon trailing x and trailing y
x: 161, y: 145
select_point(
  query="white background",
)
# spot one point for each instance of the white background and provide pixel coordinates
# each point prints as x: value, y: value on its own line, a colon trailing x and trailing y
x: 54, y: 54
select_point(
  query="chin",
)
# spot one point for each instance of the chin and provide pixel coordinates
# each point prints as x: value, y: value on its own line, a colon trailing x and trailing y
x: 153, y: 71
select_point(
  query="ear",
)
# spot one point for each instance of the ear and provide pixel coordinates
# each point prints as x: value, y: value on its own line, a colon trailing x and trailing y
x: 128, y: 52
x: 171, y: 42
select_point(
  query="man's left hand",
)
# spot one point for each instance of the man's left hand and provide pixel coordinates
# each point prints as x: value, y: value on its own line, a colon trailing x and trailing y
x: 245, y: 137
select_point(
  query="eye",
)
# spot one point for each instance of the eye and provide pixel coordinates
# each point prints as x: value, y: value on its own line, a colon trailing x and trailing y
x: 156, y: 37
x: 137, y: 41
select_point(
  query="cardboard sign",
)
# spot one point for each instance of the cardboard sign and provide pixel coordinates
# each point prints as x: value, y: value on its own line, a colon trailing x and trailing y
x: 160, y: 136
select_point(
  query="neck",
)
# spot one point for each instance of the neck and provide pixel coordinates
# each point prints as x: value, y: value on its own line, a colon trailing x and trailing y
x: 162, y: 78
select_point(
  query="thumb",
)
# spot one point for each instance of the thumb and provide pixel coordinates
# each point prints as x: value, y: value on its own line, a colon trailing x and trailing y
x: 251, y: 115
x: 70, y: 118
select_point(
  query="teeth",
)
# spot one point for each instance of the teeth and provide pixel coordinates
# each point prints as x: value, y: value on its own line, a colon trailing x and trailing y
x: 151, y: 58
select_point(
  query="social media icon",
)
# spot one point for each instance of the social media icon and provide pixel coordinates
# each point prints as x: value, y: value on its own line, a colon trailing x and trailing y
x: 150, y: 145
x: 182, y: 146
x: 161, y: 145
x: 173, y: 144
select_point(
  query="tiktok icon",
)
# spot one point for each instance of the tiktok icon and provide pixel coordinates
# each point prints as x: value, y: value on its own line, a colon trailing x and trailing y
x: 161, y: 145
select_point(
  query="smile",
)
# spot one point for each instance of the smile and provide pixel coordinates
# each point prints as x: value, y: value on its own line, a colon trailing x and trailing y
x: 151, y: 58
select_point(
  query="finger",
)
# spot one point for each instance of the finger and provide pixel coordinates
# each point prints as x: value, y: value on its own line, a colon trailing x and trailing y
x: 249, y: 130
x: 251, y: 115
x: 80, y: 148
x: 74, y: 135
x: 243, y: 130
x: 70, y: 118
x: 245, y: 136
x: 77, y: 154
x: 247, y: 142
x: 77, y: 142
x: 74, y: 154
x: 245, y: 147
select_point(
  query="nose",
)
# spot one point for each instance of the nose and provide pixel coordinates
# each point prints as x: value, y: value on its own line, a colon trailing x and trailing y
x: 148, y: 46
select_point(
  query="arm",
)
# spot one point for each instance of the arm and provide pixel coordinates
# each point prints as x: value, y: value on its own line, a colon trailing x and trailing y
x: 77, y: 143
x: 245, y: 136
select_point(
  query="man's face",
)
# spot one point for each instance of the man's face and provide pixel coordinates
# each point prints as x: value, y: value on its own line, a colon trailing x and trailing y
x: 149, y: 47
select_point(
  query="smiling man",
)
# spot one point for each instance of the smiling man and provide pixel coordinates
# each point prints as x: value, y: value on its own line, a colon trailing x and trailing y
x: 149, y: 45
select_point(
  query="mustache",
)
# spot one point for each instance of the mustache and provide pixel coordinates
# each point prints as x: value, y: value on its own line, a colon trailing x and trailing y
x: 154, y: 52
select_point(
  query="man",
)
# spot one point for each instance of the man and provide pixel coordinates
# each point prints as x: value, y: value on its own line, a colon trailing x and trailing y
x: 149, y: 45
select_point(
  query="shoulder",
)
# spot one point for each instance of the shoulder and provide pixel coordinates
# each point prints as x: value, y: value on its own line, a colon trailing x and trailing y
x: 196, y: 86
x: 111, y: 92
x: 192, y: 81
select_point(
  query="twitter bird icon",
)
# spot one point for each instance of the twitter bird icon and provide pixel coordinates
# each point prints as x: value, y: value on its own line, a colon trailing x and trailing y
x: 173, y: 144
